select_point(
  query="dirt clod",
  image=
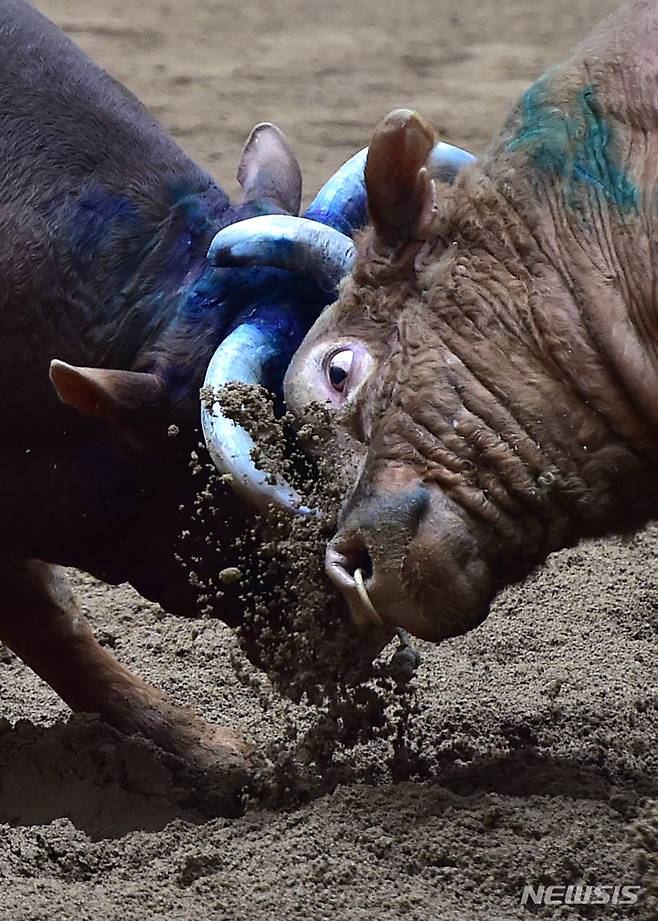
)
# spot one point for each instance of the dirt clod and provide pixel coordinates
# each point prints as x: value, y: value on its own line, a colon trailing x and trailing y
x: 230, y: 575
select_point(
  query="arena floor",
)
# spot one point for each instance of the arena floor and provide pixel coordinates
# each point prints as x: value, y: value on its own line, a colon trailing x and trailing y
x: 539, y: 729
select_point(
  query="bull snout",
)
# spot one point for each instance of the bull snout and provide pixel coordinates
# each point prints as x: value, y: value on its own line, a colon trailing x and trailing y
x: 411, y: 560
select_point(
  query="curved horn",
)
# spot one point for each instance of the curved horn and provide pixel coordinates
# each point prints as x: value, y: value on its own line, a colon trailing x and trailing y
x: 342, y: 202
x: 445, y: 161
x: 242, y: 357
x: 294, y: 243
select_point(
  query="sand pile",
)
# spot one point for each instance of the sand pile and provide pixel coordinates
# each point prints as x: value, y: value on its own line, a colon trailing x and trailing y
x: 540, y: 758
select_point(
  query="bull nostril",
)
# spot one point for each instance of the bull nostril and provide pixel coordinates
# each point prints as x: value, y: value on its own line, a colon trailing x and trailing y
x: 363, y: 562
x: 349, y: 565
x: 355, y: 555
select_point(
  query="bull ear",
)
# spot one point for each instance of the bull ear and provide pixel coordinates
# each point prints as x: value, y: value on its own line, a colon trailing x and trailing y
x: 119, y: 397
x: 269, y: 169
x: 400, y: 190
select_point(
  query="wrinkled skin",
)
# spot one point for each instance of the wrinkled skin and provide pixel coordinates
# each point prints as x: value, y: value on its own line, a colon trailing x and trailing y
x: 503, y: 397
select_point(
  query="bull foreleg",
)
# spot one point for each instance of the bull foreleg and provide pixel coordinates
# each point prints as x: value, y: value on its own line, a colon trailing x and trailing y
x: 40, y: 620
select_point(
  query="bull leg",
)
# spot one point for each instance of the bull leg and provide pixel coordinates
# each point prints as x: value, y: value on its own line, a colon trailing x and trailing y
x: 41, y: 622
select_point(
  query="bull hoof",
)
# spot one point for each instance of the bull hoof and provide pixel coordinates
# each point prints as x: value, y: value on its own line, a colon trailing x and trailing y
x: 217, y: 764
x: 216, y: 747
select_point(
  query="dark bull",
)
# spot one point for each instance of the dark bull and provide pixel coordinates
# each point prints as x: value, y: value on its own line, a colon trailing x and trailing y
x: 105, y: 226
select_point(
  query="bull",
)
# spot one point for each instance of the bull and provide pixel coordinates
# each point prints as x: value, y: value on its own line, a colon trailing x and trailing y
x: 111, y: 317
x: 492, y: 358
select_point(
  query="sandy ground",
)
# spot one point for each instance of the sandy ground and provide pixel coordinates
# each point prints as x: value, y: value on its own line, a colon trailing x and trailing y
x: 537, y: 732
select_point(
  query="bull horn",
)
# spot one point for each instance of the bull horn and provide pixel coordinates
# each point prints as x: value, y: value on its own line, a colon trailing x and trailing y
x: 342, y: 202
x: 445, y: 161
x: 242, y: 356
x: 294, y: 243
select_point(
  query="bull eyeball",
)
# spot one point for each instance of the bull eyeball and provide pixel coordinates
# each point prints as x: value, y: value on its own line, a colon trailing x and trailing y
x: 338, y: 368
x: 328, y: 370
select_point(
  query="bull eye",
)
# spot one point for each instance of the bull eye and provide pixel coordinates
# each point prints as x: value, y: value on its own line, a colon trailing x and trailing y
x: 339, y: 368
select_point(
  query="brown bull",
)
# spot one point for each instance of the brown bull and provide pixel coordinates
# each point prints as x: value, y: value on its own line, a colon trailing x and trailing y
x: 494, y: 357
x: 510, y: 406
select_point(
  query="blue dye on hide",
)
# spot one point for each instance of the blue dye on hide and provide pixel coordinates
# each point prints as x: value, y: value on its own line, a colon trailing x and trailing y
x: 153, y: 280
x: 574, y: 142
x: 95, y: 216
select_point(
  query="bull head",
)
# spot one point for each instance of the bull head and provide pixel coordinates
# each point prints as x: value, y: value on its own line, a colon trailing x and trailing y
x: 131, y: 400
x: 489, y: 369
x: 319, y: 246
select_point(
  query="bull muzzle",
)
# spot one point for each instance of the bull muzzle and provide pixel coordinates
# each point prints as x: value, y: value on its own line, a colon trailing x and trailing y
x: 411, y: 560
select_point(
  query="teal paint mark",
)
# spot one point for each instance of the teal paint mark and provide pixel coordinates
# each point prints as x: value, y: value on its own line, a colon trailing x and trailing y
x: 575, y: 143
